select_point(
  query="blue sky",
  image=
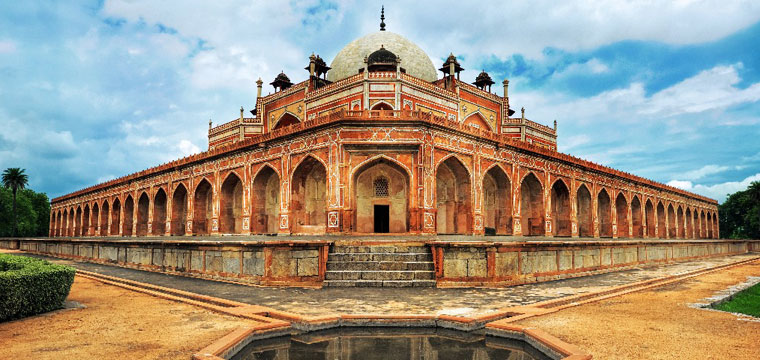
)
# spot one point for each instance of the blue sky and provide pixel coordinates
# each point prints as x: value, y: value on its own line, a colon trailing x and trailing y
x: 94, y: 90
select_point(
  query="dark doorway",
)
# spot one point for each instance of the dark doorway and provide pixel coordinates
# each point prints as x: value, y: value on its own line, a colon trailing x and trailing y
x: 382, y: 218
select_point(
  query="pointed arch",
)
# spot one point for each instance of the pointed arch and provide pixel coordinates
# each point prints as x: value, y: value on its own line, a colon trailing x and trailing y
x: 308, y: 196
x: 85, y: 227
x: 560, y: 209
x: 662, y: 230
x: 497, y: 201
x: 380, y: 193
x: 265, y: 202
x: 709, y: 225
x: 115, y: 216
x: 65, y: 223
x: 702, y: 225
x: 477, y: 120
x: 532, y: 205
x: 689, y: 224
x: 143, y: 209
x: 159, y: 212
x: 636, y: 217
x: 604, y: 213
x: 203, y: 207
x: 671, y: 221
x: 231, y: 205
x: 179, y: 210
x: 129, y: 211
x: 453, y: 197
x: 58, y: 223
x: 95, y: 222
x: 621, y: 212
x: 680, y: 231
x: 78, y: 222
x: 286, y: 119
x: 585, y: 215
x: 716, y: 233
x: 382, y: 105
x: 650, y: 219
x: 105, y: 214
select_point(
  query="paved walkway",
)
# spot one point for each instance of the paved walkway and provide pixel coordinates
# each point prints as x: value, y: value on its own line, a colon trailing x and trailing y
x: 464, y: 302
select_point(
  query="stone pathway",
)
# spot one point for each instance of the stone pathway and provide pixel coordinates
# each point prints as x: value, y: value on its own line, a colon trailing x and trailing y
x: 462, y: 302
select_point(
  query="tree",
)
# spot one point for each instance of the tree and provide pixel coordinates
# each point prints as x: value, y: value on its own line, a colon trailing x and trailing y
x: 740, y: 214
x: 15, y: 179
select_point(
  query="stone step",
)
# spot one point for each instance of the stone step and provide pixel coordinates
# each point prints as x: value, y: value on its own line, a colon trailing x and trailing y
x: 380, y: 275
x: 380, y: 283
x: 351, y: 249
x: 379, y: 265
x: 404, y: 257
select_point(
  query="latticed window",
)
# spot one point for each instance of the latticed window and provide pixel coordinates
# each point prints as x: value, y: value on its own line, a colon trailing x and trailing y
x: 381, y: 187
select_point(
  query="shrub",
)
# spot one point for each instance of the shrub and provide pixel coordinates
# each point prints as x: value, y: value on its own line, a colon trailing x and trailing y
x: 31, y: 286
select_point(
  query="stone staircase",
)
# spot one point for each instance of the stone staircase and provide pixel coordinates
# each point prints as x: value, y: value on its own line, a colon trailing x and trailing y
x: 380, y: 266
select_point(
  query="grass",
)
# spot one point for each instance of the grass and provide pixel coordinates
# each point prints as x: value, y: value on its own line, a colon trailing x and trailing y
x: 745, y: 302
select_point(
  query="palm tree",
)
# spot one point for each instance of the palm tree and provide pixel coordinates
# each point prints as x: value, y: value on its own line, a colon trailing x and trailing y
x: 15, y: 179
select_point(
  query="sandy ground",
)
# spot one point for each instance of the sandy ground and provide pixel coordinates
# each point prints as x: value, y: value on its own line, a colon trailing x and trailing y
x: 659, y: 324
x: 116, y: 324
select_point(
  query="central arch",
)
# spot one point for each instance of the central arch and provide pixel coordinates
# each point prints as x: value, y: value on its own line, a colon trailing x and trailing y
x: 203, y: 208
x: 477, y: 121
x: 604, y: 213
x: 266, y: 201
x: 143, y: 208
x: 638, y: 228
x: 452, y: 191
x: 381, y: 197
x: 497, y: 202
x: 621, y: 212
x: 309, y: 197
x: 560, y: 209
x: 231, y: 205
x: 179, y: 210
x: 532, y: 206
x: 159, y: 212
x: 585, y: 215
x: 285, y: 120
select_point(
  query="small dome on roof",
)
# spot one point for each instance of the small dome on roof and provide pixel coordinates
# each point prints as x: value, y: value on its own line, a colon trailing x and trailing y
x: 382, y: 56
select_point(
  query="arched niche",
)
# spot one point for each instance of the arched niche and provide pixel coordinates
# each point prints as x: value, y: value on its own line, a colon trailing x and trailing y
x: 179, y: 211
x: 453, y: 197
x: 561, y: 209
x: 381, y: 197
x: 95, y: 219
x: 143, y: 206
x: 636, y: 218
x: 266, y: 201
x: 129, y: 210
x: 497, y: 202
x: 532, y: 206
x: 308, y: 197
x: 105, y: 214
x: 115, y: 216
x: 689, y: 224
x: 621, y: 212
x: 159, y: 212
x: 680, y: 223
x: 285, y: 120
x: 231, y: 205
x: 662, y: 229
x: 477, y: 121
x: 604, y: 213
x: 382, y: 106
x: 203, y: 208
x: 85, y: 228
x: 585, y: 214
x: 671, y: 222
x: 650, y: 219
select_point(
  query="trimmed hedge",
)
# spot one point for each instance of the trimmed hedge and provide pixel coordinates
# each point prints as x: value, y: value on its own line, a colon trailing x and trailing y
x: 31, y: 286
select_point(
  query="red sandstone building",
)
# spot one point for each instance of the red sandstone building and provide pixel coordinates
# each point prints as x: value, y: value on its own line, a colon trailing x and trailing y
x: 378, y: 143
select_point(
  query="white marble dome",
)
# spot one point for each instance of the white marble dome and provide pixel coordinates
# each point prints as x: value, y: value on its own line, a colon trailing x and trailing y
x: 351, y: 58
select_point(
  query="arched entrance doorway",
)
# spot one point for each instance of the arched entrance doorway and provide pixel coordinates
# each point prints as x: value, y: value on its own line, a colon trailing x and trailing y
x: 266, y: 201
x: 621, y: 212
x: 452, y: 192
x: 561, y: 209
x: 604, y: 213
x: 532, y: 206
x: 231, y: 206
x: 179, y: 210
x: 308, y: 197
x: 159, y: 212
x: 203, y: 208
x: 497, y: 202
x: 381, y: 197
x: 585, y: 218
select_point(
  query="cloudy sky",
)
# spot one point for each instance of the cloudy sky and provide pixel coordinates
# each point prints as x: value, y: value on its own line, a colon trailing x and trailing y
x: 669, y: 90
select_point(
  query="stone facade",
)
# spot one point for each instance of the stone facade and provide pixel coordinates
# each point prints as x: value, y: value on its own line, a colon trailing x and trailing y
x: 384, y: 151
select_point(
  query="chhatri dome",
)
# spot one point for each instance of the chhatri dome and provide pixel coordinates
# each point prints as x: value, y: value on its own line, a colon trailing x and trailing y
x: 351, y: 58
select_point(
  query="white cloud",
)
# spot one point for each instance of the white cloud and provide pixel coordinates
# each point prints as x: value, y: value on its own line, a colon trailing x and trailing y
x: 187, y: 148
x: 7, y: 47
x: 717, y: 191
x: 703, y: 171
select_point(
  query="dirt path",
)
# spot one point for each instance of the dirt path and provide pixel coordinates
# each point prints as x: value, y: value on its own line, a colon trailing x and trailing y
x: 659, y: 324
x: 116, y: 324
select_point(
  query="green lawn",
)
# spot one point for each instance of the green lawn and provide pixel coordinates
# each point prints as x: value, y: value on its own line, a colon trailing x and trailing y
x: 745, y: 302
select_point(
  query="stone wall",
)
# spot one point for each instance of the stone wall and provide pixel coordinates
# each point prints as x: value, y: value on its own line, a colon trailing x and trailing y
x: 460, y: 264
x: 295, y: 263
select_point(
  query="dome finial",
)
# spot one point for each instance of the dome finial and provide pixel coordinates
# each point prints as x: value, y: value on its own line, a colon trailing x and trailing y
x: 382, y: 18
